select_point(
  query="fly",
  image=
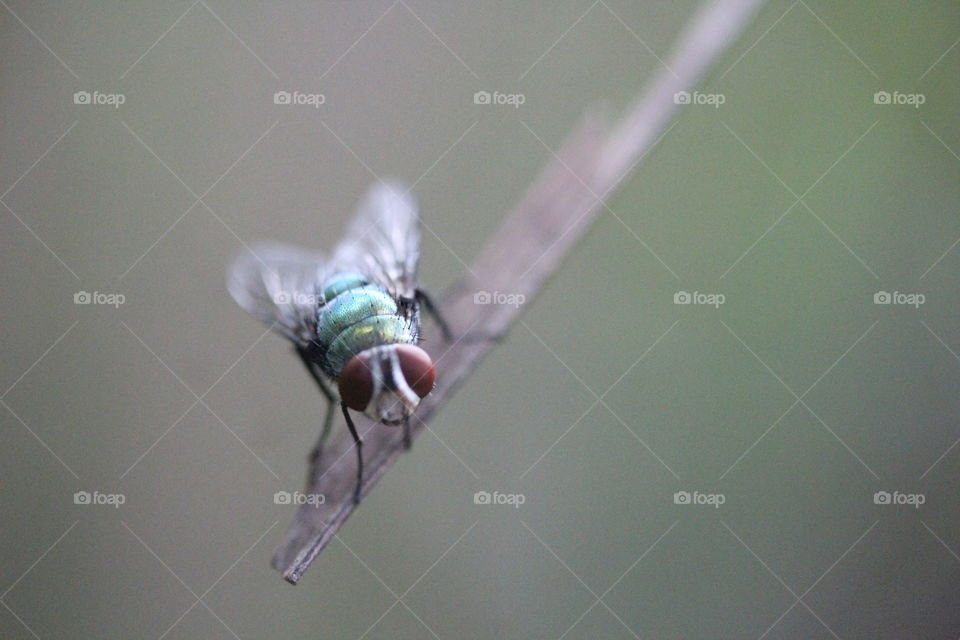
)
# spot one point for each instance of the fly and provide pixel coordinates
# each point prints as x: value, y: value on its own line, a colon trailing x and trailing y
x: 353, y: 318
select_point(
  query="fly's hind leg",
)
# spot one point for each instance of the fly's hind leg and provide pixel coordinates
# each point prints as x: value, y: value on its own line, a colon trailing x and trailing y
x: 423, y: 298
x: 430, y: 308
x: 331, y: 402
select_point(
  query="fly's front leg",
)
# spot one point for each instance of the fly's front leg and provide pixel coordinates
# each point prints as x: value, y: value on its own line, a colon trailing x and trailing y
x: 331, y: 401
x: 407, y: 434
x: 324, y: 432
x: 358, y: 444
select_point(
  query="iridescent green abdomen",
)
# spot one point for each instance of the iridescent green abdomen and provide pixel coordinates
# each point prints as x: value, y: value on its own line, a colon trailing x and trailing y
x: 350, y: 307
x: 355, y: 316
x: 342, y: 282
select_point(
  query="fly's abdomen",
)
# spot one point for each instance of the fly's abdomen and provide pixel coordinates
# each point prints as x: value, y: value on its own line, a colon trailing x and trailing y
x: 358, y: 318
x: 369, y: 332
x: 341, y: 283
x: 350, y: 307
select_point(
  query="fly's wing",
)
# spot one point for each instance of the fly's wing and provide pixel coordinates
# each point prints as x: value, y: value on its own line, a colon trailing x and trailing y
x: 278, y: 283
x: 383, y: 241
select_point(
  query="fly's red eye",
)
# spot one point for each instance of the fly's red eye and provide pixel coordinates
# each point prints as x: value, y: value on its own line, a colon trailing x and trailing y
x: 356, y: 383
x: 417, y: 368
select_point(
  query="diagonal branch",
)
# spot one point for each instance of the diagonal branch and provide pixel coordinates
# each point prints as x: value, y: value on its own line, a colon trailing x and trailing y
x: 527, y: 249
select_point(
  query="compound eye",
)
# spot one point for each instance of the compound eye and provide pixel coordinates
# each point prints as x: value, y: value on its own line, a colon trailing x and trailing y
x: 356, y: 383
x: 417, y: 368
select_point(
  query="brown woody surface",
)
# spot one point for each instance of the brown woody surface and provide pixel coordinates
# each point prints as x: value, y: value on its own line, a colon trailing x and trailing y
x: 526, y: 249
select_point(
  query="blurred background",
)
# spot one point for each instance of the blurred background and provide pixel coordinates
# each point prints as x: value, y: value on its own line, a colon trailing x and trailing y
x: 739, y: 478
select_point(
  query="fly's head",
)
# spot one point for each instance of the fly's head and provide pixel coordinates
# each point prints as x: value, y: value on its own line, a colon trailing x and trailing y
x: 386, y: 383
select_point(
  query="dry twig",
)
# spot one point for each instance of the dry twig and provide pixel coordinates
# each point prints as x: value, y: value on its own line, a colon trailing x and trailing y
x: 527, y: 249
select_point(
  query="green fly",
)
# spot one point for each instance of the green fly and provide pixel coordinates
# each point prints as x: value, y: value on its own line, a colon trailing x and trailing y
x: 353, y: 318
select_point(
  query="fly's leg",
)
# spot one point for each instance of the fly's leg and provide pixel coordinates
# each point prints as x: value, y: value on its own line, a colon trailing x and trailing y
x: 328, y: 421
x: 358, y: 443
x: 331, y: 401
x: 423, y: 298
x: 407, y: 435
x: 324, y: 432
x: 427, y: 302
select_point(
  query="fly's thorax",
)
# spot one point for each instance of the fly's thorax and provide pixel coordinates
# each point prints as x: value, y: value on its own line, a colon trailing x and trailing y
x: 387, y: 382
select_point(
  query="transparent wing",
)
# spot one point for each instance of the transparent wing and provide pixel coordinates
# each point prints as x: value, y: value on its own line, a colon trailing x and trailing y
x: 278, y: 283
x: 383, y: 241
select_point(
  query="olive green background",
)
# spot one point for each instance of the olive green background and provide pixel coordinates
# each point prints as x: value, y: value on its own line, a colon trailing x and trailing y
x: 797, y: 399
